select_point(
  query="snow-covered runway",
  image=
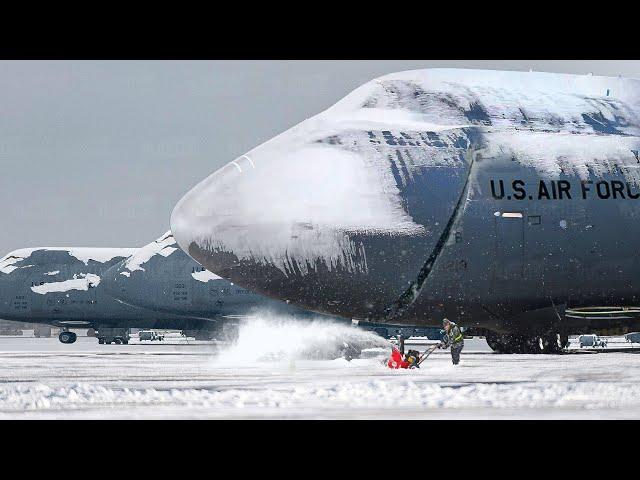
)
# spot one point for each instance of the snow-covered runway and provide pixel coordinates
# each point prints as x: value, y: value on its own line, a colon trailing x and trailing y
x: 40, y: 378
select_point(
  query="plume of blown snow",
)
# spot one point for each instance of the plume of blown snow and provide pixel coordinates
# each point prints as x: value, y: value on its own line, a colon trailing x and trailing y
x: 269, y: 337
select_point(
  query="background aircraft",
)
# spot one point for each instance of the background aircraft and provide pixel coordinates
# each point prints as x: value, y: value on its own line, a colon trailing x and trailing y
x: 64, y: 287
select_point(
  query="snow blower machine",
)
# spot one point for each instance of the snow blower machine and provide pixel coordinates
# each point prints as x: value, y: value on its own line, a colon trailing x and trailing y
x: 412, y: 359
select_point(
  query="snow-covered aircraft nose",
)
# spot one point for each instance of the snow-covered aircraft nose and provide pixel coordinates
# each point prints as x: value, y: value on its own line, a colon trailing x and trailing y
x: 351, y: 203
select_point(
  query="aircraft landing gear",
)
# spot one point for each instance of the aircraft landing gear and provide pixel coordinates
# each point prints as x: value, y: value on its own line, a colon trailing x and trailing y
x: 67, y: 337
x: 503, y: 343
x: 552, y: 343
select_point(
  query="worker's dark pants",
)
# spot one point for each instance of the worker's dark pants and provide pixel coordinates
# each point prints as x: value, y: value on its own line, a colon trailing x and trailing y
x: 456, y: 348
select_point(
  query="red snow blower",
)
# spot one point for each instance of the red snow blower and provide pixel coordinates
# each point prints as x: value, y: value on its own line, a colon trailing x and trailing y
x: 412, y: 359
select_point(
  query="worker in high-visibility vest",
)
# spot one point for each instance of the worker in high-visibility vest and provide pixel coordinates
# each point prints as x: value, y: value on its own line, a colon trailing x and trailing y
x: 452, y: 338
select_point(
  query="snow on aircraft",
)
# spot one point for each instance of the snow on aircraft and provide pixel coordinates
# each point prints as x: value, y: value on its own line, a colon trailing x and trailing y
x: 161, y: 277
x: 508, y: 201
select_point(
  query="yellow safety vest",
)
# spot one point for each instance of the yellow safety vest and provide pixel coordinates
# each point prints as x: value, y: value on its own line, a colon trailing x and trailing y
x: 459, y: 336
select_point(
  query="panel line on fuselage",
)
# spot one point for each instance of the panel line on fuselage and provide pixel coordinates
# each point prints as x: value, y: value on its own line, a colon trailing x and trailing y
x: 405, y: 300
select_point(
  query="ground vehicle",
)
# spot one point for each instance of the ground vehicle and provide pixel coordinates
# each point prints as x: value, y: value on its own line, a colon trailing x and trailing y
x: 591, y: 341
x: 150, y: 335
x: 109, y: 335
x: 40, y: 330
x: 633, y: 337
x: 11, y: 331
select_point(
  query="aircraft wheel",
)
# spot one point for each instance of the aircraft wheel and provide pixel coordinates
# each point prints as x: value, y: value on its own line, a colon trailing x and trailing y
x: 67, y: 337
x: 492, y: 341
x: 498, y: 343
x: 117, y: 341
x: 538, y: 345
x: 546, y: 344
x: 517, y: 344
x: 505, y: 343
x: 534, y: 345
x: 101, y: 341
x: 554, y: 343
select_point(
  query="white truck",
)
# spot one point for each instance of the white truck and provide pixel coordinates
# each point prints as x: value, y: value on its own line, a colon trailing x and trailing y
x: 591, y: 341
x: 633, y: 337
x: 150, y: 335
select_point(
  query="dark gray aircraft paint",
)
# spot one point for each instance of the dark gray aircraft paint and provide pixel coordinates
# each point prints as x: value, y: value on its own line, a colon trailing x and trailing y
x: 502, y: 200
x: 161, y: 277
x: 65, y: 288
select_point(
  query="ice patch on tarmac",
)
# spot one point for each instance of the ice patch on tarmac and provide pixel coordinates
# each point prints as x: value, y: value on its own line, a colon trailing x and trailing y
x: 374, y: 394
x: 272, y: 338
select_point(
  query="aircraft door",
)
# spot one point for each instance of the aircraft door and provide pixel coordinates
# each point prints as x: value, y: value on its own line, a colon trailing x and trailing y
x: 509, y: 237
x: 91, y: 302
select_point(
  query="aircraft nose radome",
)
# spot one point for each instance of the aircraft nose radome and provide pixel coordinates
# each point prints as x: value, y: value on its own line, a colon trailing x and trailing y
x: 213, y: 211
x: 322, y: 208
x: 287, y: 208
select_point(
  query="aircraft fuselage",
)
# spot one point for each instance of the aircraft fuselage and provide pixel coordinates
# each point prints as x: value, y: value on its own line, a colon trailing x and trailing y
x: 497, y: 198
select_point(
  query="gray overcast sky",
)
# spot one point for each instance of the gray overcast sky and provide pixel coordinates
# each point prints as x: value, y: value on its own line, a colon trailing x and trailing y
x: 97, y: 153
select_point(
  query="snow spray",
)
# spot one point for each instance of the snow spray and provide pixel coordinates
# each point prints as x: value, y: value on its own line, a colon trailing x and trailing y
x: 271, y: 337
